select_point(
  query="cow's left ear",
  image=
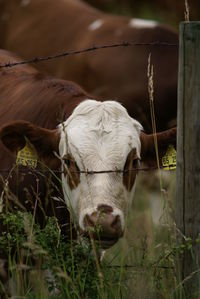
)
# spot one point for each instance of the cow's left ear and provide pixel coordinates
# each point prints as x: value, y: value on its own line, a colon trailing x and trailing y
x: 148, y: 150
x: 14, y: 136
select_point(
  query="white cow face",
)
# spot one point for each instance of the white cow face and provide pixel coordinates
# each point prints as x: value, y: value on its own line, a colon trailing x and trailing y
x: 99, y: 136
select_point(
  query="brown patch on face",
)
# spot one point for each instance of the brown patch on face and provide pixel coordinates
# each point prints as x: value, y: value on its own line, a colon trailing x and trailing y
x: 129, y: 175
x: 71, y: 171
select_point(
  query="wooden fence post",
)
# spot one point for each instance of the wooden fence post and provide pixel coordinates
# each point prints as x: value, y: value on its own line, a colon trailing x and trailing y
x: 187, y: 209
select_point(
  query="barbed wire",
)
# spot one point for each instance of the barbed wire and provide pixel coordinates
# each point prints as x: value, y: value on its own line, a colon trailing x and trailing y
x: 140, y: 267
x: 88, y: 172
x: 86, y: 50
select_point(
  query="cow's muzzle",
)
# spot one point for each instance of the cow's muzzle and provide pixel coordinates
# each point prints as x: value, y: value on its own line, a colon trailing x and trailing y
x: 104, y: 226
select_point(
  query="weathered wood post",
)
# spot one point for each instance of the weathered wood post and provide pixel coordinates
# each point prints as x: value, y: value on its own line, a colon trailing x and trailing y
x: 188, y: 157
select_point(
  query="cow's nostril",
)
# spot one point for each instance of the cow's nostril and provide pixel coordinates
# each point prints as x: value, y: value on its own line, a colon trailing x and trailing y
x: 116, y: 222
x: 105, y: 208
x: 107, y: 225
x: 90, y: 220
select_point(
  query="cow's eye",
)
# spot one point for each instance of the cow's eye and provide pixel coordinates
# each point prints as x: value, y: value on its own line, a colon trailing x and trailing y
x: 132, y: 160
x: 71, y: 171
x: 130, y: 169
x: 70, y: 163
x: 67, y: 162
x: 136, y: 163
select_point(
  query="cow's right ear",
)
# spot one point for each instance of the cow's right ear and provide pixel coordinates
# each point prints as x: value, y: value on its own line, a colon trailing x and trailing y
x: 148, y: 150
x: 14, y: 135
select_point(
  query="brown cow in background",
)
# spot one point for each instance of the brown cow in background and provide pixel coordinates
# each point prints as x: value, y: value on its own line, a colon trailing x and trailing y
x: 42, y: 27
x: 169, y: 11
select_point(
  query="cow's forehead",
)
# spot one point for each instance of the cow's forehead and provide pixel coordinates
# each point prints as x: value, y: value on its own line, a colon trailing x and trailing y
x: 104, y: 128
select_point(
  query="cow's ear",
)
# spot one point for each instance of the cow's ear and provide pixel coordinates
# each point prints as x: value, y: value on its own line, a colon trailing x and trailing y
x: 148, y: 149
x: 14, y: 136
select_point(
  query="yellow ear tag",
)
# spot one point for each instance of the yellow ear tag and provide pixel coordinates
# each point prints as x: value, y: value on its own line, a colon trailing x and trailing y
x: 27, y: 156
x: 169, y: 159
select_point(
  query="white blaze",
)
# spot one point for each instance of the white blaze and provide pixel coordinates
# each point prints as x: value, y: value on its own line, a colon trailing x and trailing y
x: 95, y: 25
x: 140, y: 23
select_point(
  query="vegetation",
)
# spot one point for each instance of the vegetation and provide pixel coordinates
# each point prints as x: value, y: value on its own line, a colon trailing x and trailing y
x: 43, y: 264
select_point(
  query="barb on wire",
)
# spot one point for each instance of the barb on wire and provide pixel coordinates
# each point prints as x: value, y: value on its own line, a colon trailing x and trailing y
x: 86, y: 50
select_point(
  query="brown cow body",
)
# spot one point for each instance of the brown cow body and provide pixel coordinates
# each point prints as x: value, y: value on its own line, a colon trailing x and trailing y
x: 46, y: 27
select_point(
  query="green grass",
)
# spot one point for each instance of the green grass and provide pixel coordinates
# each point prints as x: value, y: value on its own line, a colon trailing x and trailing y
x: 32, y: 252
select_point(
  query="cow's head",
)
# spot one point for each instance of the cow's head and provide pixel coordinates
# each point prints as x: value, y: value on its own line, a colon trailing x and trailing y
x: 98, y: 145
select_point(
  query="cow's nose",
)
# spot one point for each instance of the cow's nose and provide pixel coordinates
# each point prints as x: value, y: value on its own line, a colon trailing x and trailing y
x: 104, y: 224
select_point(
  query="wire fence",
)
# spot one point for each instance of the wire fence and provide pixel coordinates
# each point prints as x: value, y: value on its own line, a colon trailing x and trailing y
x: 88, y: 172
x: 87, y: 50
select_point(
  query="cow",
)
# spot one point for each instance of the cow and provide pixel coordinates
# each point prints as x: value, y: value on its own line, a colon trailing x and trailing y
x: 86, y: 154
x: 39, y: 28
x: 92, y: 146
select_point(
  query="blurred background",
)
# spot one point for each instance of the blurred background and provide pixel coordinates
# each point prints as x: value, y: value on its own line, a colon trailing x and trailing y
x: 165, y: 11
